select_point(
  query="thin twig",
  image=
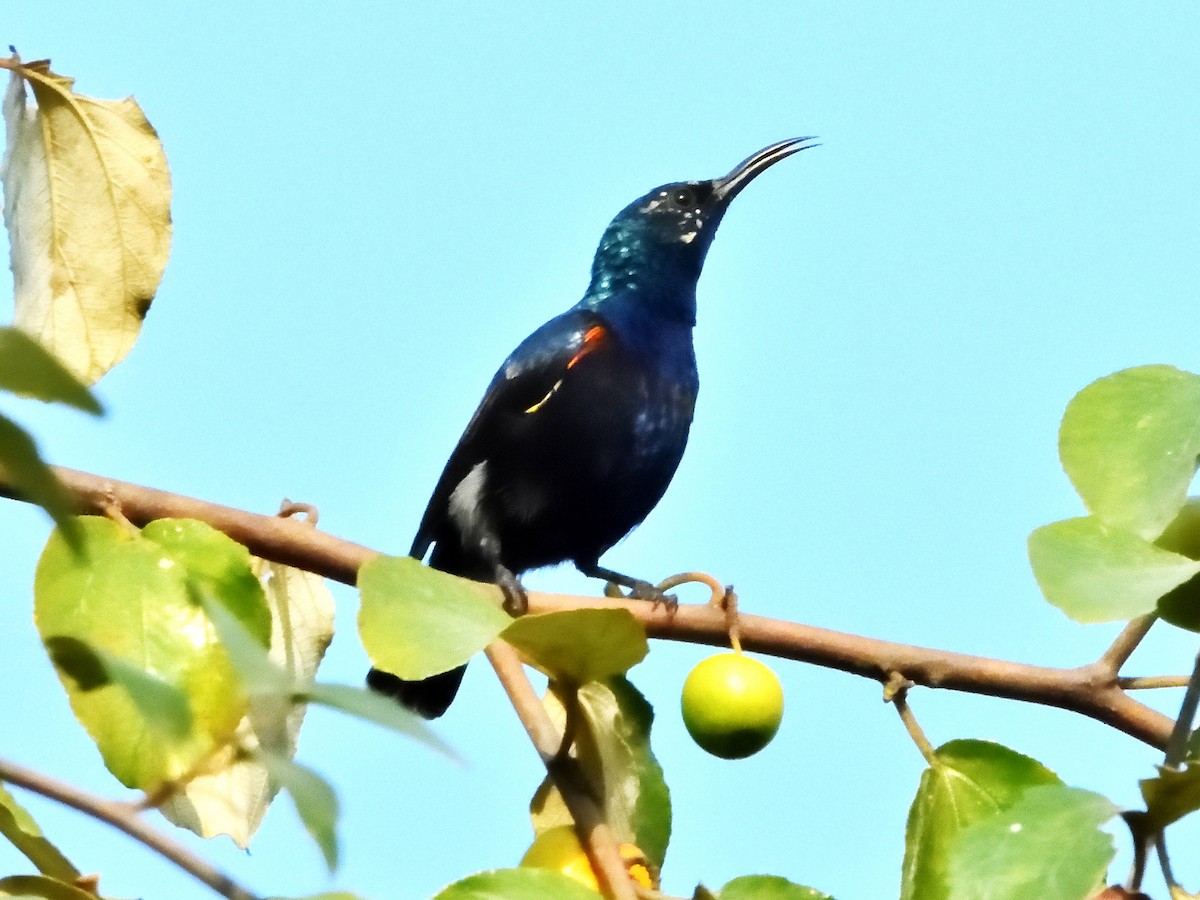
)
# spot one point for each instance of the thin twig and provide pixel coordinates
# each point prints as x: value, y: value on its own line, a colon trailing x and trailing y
x: 718, y: 590
x: 1177, y: 748
x: 1149, y: 682
x: 1088, y: 690
x: 123, y: 817
x: 597, y: 838
x: 1177, y: 745
x: 1127, y: 641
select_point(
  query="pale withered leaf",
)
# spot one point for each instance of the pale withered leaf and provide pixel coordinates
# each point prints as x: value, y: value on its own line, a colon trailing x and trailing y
x: 87, y: 198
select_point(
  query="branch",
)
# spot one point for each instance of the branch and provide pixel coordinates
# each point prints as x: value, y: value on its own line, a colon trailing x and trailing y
x: 596, y: 836
x: 1092, y: 690
x: 1127, y: 641
x: 123, y: 816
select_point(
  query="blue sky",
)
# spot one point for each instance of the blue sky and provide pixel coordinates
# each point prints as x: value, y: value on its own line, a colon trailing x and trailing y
x: 375, y: 202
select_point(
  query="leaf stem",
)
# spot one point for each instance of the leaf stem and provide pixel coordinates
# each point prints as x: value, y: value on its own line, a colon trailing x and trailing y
x: 896, y: 693
x: 1160, y: 845
x: 123, y: 817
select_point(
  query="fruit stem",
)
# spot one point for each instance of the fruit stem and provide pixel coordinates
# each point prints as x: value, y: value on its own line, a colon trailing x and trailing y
x: 732, y: 622
x: 729, y: 604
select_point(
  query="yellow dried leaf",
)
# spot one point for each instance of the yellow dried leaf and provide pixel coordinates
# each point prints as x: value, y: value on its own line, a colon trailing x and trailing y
x: 87, y: 198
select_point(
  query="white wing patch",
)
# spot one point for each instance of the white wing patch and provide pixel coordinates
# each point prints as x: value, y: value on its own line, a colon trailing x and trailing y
x: 465, y: 510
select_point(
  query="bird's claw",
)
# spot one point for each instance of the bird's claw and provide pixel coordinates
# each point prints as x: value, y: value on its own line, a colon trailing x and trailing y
x: 644, y: 590
x: 516, y: 599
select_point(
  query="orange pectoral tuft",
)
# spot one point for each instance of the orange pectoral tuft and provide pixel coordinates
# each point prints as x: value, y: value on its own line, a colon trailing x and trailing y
x: 592, y: 338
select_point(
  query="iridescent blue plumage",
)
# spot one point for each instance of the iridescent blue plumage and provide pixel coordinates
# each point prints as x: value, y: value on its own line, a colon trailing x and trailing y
x: 583, y: 426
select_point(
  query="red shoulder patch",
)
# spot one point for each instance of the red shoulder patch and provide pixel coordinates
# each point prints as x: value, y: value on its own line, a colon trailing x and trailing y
x: 592, y: 338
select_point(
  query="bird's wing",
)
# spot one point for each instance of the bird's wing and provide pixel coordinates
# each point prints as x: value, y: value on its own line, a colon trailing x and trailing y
x: 527, y: 380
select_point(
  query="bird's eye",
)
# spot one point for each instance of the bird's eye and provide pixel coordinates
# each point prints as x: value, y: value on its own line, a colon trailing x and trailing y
x: 684, y: 198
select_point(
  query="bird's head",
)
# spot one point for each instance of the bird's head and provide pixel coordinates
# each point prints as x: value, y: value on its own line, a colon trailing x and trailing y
x: 660, y: 240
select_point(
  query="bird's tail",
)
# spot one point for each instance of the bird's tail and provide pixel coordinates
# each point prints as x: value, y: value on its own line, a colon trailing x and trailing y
x: 428, y: 698
x: 431, y: 697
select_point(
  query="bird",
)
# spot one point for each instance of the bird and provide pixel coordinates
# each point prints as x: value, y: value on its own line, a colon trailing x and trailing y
x: 582, y: 427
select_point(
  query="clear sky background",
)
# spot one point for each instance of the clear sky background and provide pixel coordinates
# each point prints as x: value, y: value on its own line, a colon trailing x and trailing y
x: 375, y: 202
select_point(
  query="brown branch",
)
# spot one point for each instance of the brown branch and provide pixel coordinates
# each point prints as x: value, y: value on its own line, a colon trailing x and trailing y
x: 1127, y: 641
x: 293, y: 542
x: 1092, y: 690
x: 124, y: 817
x: 597, y: 838
x: 1088, y: 690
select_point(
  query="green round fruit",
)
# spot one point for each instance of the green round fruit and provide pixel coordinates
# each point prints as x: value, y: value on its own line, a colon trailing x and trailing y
x: 732, y: 705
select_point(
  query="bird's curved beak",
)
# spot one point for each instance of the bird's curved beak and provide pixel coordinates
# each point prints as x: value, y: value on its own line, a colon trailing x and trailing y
x: 725, y: 189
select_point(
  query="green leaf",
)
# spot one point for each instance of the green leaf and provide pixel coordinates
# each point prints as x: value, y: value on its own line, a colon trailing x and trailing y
x: 216, y: 566
x: 612, y: 745
x: 1181, y: 605
x: 768, y: 887
x: 35, y: 480
x: 270, y: 688
x: 1182, y: 536
x: 316, y: 803
x: 1046, y: 845
x: 1172, y: 794
x: 232, y: 795
x: 18, y: 826
x: 259, y: 674
x: 969, y: 781
x: 163, y: 706
x: 372, y: 707
x: 1098, y: 573
x: 580, y: 645
x: 416, y: 622
x: 129, y: 598
x: 27, y: 368
x: 41, y: 887
x: 516, y: 884
x: 1129, y: 444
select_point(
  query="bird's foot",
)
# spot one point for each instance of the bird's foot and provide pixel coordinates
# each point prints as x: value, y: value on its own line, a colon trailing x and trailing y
x: 644, y: 590
x: 516, y: 600
x: 638, y: 589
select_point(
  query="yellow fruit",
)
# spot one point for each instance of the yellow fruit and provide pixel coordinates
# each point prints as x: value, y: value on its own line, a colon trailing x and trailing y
x: 732, y: 705
x: 559, y: 850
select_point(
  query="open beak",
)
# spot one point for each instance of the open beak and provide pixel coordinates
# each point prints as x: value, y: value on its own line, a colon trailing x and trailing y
x: 746, y: 171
